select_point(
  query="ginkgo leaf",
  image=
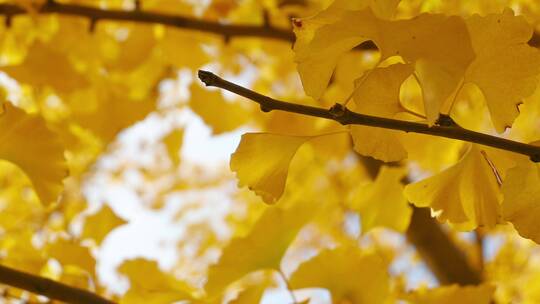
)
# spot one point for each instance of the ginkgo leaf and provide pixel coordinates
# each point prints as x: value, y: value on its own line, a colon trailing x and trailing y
x: 466, y: 193
x: 262, y: 248
x: 173, y: 141
x: 254, y: 290
x: 106, y: 110
x: 481, y: 294
x: 382, y: 144
x: 377, y: 91
x: 506, y: 67
x: 262, y: 160
x: 69, y: 252
x: 21, y: 135
x: 150, y: 285
x: 521, y: 190
x: 45, y: 66
x: 427, y: 41
x: 98, y: 225
x: 382, y: 203
x: 220, y: 115
x: 351, y: 275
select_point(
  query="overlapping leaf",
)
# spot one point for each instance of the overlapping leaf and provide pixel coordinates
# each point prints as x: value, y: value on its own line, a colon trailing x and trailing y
x: 150, y: 285
x: 466, y: 193
x: 351, y: 275
x: 428, y: 42
x: 521, y: 190
x: 262, y: 248
x: 261, y: 162
x: 377, y: 93
x: 506, y: 67
x: 381, y: 203
x: 217, y: 113
x: 98, y: 225
x: 21, y: 135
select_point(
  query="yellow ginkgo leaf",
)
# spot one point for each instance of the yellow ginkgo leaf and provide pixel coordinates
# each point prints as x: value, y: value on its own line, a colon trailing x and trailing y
x: 190, y: 54
x: 254, y: 290
x: 481, y: 294
x: 317, y: 59
x: 219, y: 114
x: 68, y: 252
x: 351, y: 275
x: 262, y: 160
x: 107, y: 110
x: 466, y: 193
x: 37, y: 70
x: 521, y: 190
x: 98, y: 225
x: 506, y: 67
x: 382, y: 203
x: 377, y: 91
x: 173, y: 141
x: 21, y: 135
x: 150, y: 285
x: 382, y: 144
x: 262, y: 248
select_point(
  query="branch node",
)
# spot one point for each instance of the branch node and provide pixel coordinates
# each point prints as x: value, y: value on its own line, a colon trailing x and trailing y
x: 265, y: 109
x: 337, y: 110
x: 445, y: 120
x: 535, y: 158
x: 208, y: 78
x: 138, y: 5
x: 50, y: 3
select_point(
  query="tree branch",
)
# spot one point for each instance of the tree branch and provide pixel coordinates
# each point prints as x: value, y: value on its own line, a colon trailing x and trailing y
x: 344, y: 116
x: 441, y: 255
x: 95, y: 14
x: 226, y: 30
x: 49, y: 288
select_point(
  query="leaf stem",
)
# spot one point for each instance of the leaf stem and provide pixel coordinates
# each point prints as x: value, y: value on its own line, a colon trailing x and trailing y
x: 284, y: 277
x: 345, y: 116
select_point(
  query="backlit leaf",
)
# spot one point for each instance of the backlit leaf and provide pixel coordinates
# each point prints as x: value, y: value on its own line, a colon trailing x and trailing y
x: 219, y: 114
x: 382, y: 203
x: 150, y: 285
x: 21, y: 135
x: 506, y: 67
x: 521, y: 190
x: 98, y: 225
x: 261, y: 162
x: 262, y: 248
x: 351, y: 275
x: 466, y: 193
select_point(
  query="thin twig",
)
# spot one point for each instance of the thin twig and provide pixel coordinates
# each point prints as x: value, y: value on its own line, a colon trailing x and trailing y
x: 49, y: 288
x: 346, y: 117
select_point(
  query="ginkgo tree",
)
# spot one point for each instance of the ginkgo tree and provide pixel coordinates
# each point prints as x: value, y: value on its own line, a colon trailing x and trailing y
x: 388, y: 141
